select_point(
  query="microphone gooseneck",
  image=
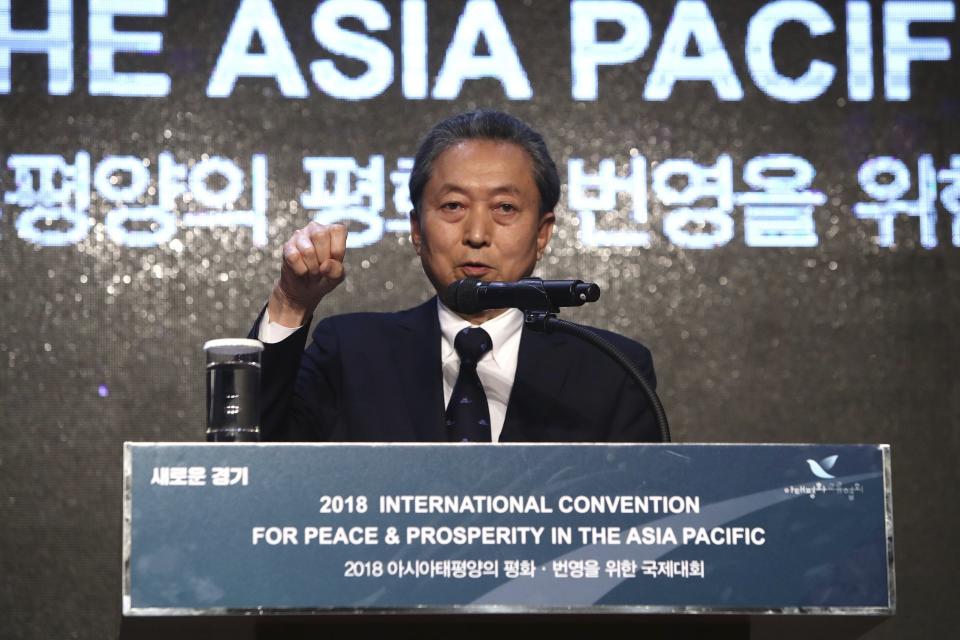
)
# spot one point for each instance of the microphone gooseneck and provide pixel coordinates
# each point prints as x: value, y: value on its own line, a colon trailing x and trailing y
x: 547, y: 322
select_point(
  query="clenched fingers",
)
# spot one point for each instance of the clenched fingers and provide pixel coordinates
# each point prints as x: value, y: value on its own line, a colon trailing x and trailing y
x: 293, y: 258
x: 310, y: 248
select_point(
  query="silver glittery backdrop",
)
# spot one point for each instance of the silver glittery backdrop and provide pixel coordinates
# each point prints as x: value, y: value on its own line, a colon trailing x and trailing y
x: 843, y: 342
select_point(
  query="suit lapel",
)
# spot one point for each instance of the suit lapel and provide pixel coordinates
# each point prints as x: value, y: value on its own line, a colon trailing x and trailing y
x: 541, y: 375
x: 417, y: 357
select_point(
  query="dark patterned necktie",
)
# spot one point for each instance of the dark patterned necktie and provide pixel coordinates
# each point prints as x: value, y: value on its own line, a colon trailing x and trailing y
x: 468, y: 416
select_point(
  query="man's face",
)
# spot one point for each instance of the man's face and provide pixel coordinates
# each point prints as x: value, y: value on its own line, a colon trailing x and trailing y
x: 480, y: 215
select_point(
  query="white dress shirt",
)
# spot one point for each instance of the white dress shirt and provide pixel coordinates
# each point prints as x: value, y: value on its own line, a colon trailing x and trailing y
x: 496, y: 369
x: 271, y: 331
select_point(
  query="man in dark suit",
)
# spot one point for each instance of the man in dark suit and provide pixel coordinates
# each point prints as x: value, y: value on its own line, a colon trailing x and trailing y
x: 484, y: 189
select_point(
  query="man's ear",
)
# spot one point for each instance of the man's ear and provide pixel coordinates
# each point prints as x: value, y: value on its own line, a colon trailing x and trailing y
x: 544, y: 232
x: 415, y: 236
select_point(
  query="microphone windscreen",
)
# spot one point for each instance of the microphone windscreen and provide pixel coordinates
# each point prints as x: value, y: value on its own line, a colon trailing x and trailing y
x: 449, y: 295
x: 461, y: 296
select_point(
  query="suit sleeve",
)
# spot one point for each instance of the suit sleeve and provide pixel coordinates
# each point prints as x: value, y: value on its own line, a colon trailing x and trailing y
x: 299, y: 389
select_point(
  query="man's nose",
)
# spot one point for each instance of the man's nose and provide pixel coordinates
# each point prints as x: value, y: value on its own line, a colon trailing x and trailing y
x: 476, y: 228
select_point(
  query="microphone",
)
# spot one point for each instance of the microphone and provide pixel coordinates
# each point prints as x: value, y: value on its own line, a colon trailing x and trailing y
x: 529, y: 294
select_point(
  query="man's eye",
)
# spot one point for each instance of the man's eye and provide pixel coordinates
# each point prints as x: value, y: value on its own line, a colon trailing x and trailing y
x: 451, y: 206
x: 506, y: 207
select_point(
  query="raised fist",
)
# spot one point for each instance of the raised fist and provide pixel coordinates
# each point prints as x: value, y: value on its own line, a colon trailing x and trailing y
x: 312, y: 268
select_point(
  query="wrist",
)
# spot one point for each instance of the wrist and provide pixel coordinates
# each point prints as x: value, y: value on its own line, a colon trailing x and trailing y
x: 287, y: 312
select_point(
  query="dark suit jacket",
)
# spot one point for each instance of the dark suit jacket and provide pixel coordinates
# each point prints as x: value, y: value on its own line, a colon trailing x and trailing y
x: 377, y: 377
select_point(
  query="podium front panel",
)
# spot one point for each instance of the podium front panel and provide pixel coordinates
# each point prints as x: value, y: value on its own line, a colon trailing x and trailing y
x: 294, y: 528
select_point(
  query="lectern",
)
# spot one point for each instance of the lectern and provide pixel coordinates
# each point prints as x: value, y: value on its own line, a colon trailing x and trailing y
x: 248, y: 538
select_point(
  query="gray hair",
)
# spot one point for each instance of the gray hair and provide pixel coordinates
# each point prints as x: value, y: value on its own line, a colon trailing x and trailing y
x: 486, y: 124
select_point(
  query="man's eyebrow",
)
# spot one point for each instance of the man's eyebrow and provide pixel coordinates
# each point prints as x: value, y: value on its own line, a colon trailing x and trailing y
x: 506, y: 188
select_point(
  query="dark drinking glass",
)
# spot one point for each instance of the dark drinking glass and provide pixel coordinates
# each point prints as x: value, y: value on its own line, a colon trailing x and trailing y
x: 233, y: 390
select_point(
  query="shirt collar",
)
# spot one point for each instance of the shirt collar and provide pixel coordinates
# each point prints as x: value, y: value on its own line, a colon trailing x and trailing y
x: 501, y: 329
